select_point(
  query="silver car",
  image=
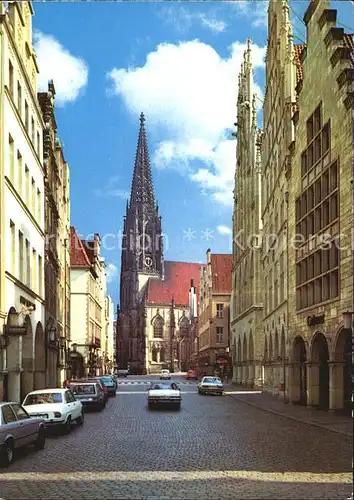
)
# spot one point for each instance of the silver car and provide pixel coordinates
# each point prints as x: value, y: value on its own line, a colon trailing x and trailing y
x: 211, y: 385
x: 18, y: 429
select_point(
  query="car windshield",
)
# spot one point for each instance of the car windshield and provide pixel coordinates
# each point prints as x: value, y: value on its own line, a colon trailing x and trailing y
x: 211, y: 380
x: 83, y: 389
x: 165, y: 386
x: 43, y: 398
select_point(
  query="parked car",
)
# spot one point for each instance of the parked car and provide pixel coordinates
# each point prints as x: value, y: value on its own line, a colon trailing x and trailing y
x: 57, y: 407
x: 110, y: 383
x: 192, y: 375
x: 164, y: 393
x: 211, y: 385
x: 123, y: 373
x: 96, y: 380
x: 18, y: 429
x: 165, y: 375
x: 90, y: 394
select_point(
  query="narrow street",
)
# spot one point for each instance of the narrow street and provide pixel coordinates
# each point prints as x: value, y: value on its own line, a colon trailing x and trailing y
x: 215, y: 447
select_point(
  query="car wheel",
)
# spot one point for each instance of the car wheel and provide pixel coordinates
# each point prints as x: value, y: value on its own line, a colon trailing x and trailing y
x: 178, y: 406
x: 81, y: 419
x: 8, y: 453
x: 67, y: 426
x: 40, y: 441
x: 151, y: 406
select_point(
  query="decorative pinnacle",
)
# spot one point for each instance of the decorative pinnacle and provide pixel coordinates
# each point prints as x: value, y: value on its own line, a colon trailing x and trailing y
x: 142, y: 118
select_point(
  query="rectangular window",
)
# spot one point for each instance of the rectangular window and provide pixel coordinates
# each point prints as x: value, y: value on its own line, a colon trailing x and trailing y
x: 219, y: 310
x: 39, y: 210
x: 21, y: 259
x: 34, y: 271
x: 28, y: 263
x: 19, y: 99
x: 11, y: 79
x: 20, y: 173
x: 38, y: 144
x: 40, y: 275
x: 27, y: 186
x: 219, y: 334
x: 13, y: 247
x: 11, y: 159
x: 26, y: 116
x: 33, y: 188
x: 32, y: 131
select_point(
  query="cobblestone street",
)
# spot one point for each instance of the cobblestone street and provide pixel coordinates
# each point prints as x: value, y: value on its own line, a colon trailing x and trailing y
x: 215, y: 447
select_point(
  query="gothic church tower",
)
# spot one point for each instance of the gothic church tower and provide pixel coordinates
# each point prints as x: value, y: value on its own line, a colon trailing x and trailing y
x: 142, y: 252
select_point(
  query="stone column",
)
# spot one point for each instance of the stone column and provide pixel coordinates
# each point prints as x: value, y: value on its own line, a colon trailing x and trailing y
x: 258, y: 376
x: 336, y: 381
x: 313, y: 384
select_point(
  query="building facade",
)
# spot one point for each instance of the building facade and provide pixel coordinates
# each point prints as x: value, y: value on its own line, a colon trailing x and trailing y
x: 22, y: 212
x: 281, y: 79
x: 109, y: 348
x: 154, y: 294
x: 86, y: 306
x: 214, y: 314
x: 320, y: 214
x: 57, y: 230
x: 247, y: 285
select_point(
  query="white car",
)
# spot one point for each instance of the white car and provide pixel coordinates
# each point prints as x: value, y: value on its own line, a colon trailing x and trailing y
x: 211, y: 385
x: 165, y: 375
x: 57, y: 407
x: 164, y: 393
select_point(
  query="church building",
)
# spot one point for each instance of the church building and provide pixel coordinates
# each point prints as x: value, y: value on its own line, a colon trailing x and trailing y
x: 153, y: 320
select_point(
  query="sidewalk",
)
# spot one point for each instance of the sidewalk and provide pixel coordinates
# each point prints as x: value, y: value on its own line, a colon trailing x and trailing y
x: 334, y: 422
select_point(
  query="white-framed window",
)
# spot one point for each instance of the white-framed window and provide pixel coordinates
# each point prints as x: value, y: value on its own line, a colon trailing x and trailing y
x: 219, y: 334
x: 219, y: 310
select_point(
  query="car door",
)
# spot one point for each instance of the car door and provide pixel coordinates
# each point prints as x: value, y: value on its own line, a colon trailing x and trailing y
x: 69, y: 405
x: 76, y: 405
x: 27, y: 425
x: 12, y: 426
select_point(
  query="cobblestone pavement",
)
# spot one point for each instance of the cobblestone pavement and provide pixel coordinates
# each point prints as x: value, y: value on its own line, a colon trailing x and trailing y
x: 215, y: 448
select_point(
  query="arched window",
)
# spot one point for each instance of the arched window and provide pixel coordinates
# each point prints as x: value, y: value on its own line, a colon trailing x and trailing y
x: 162, y: 355
x: 154, y: 354
x: 184, y: 327
x: 158, y: 328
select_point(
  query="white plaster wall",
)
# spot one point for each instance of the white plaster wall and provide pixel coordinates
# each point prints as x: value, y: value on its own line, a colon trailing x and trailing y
x: 79, y: 305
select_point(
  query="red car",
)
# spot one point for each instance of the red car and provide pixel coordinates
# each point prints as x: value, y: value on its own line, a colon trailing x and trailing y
x: 192, y: 375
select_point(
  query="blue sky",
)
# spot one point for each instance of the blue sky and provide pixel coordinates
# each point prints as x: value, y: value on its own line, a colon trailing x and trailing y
x: 177, y: 62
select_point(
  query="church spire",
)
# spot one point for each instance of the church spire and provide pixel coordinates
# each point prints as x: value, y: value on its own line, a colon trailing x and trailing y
x: 142, y: 192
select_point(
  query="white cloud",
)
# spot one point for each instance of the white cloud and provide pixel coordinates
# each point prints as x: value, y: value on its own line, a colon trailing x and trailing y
x: 189, y: 93
x: 69, y: 73
x: 224, y: 230
x: 183, y: 19
x: 111, y: 272
x: 113, y: 188
x: 255, y: 10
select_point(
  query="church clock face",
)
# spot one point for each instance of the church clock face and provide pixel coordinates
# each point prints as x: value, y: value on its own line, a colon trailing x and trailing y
x: 148, y: 261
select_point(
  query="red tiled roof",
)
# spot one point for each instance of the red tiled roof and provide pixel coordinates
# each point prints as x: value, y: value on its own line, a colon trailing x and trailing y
x: 177, y: 282
x: 221, y: 268
x: 89, y: 250
x: 78, y: 255
x: 298, y: 48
